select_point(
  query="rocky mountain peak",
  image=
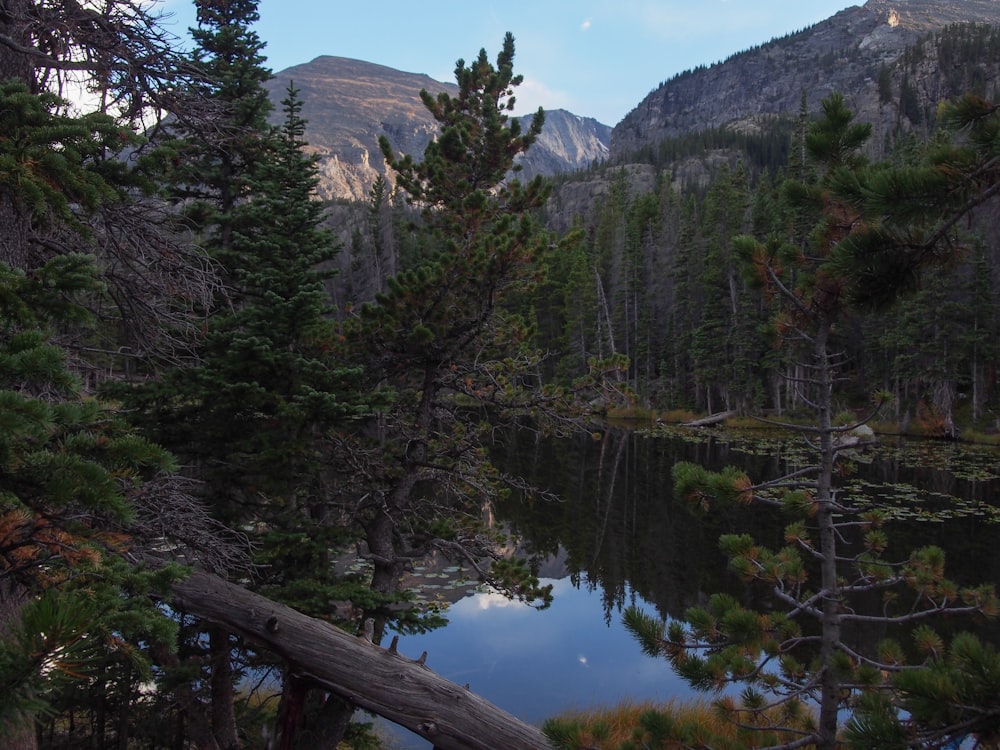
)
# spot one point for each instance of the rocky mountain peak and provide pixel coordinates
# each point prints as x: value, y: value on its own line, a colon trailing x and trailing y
x: 844, y: 53
x: 349, y: 103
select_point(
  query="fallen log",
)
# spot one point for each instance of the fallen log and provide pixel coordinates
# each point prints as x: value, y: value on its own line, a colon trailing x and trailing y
x: 721, y: 416
x: 379, y: 680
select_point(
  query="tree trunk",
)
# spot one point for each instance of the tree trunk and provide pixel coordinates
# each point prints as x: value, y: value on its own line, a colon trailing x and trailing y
x: 15, y: 64
x: 291, y: 711
x: 830, y: 682
x: 13, y: 597
x: 378, y: 680
x: 223, y: 695
x: 711, y: 419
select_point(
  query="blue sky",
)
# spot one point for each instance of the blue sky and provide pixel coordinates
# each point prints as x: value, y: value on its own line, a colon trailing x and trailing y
x: 596, y: 58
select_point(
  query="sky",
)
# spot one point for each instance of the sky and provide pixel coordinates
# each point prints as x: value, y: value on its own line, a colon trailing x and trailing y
x: 595, y: 58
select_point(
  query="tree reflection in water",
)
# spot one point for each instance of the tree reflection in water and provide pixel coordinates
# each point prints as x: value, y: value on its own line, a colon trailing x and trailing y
x: 618, y: 536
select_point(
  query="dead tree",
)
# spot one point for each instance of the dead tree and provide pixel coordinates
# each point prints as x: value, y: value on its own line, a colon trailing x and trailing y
x: 382, y: 681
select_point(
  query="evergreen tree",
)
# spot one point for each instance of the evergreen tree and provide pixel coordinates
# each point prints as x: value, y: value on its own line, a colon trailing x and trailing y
x: 951, y: 699
x: 568, y: 311
x: 71, y: 473
x: 799, y: 652
x: 208, y: 162
x: 269, y: 392
x: 686, y: 307
x: 723, y: 348
x: 250, y: 420
x: 77, y: 485
x: 906, y: 237
x: 611, y: 271
x: 457, y: 361
x: 916, y: 211
x: 209, y: 153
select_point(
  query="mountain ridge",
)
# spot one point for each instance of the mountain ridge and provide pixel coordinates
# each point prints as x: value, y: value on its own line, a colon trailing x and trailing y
x: 864, y: 52
x: 843, y: 53
x: 349, y: 103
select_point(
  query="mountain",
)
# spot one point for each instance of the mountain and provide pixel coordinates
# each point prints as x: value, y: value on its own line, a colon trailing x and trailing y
x: 349, y: 103
x: 861, y: 52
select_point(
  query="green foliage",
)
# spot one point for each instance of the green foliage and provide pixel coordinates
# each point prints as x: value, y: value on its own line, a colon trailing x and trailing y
x: 254, y: 419
x: 876, y: 724
x: 835, y: 139
x: 648, y: 630
x: 253, y: 415
x: 207, y: 164
x: 476, y: 146
x: 51, y: 163
x: 47, y: 648
x: 68, y: 467
x: 700, y: 486
x: 811, y: 283
x: 514, y: 577
x: 954, y: 695
x: 916, y: 209
x: 450, y: 342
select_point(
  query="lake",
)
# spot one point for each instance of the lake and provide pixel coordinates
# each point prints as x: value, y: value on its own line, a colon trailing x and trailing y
x: 617, y: 536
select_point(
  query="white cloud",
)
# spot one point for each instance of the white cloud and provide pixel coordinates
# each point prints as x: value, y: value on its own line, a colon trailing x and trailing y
x: 585, y: 25
x: 493, y: 600
x: 532, y: 94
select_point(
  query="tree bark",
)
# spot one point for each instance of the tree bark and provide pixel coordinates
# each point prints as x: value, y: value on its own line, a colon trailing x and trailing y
x: 13, y: 597
x: 378, y: 680
x: 223, y: 695
x: 830, y: 682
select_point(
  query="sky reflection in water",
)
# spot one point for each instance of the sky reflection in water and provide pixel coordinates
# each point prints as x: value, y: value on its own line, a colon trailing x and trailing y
x: 536, y: 664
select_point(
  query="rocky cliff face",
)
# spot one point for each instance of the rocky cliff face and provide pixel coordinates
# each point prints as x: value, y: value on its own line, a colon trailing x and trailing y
x: 844, y: 53
x: 350, y: 103
x: 568, y: 143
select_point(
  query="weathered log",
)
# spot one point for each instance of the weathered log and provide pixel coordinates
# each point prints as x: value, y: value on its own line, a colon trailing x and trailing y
x: 378, y: 680
x: 721, y: 416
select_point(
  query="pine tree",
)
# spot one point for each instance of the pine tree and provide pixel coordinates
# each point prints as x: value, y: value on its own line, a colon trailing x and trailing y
x: 798, y: 652
x: 686, y: 308
x: 252, y: 418
x: 907, y: 237
x: 456, y: 359
x: 273, y: 360
x: 207, y: 163
x: 916, y: 210
x: 723, y: 345
x: 77, y: 483
x: 209, y: 153
x: 70, y: 473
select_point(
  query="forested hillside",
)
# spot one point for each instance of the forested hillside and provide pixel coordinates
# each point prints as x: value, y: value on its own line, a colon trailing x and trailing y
x: 658, y: 281
x: 655, y: 279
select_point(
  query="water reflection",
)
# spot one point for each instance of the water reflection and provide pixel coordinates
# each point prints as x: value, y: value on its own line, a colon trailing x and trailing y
x: 536, y: 664
x: 622, y: 528
x: 618, y: 536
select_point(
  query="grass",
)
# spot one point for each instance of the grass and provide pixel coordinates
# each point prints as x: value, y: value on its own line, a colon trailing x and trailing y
x: 669, y: 726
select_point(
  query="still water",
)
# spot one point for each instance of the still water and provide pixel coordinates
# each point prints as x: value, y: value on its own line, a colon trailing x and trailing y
x: 535, y: 664
x: 616, y: 536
